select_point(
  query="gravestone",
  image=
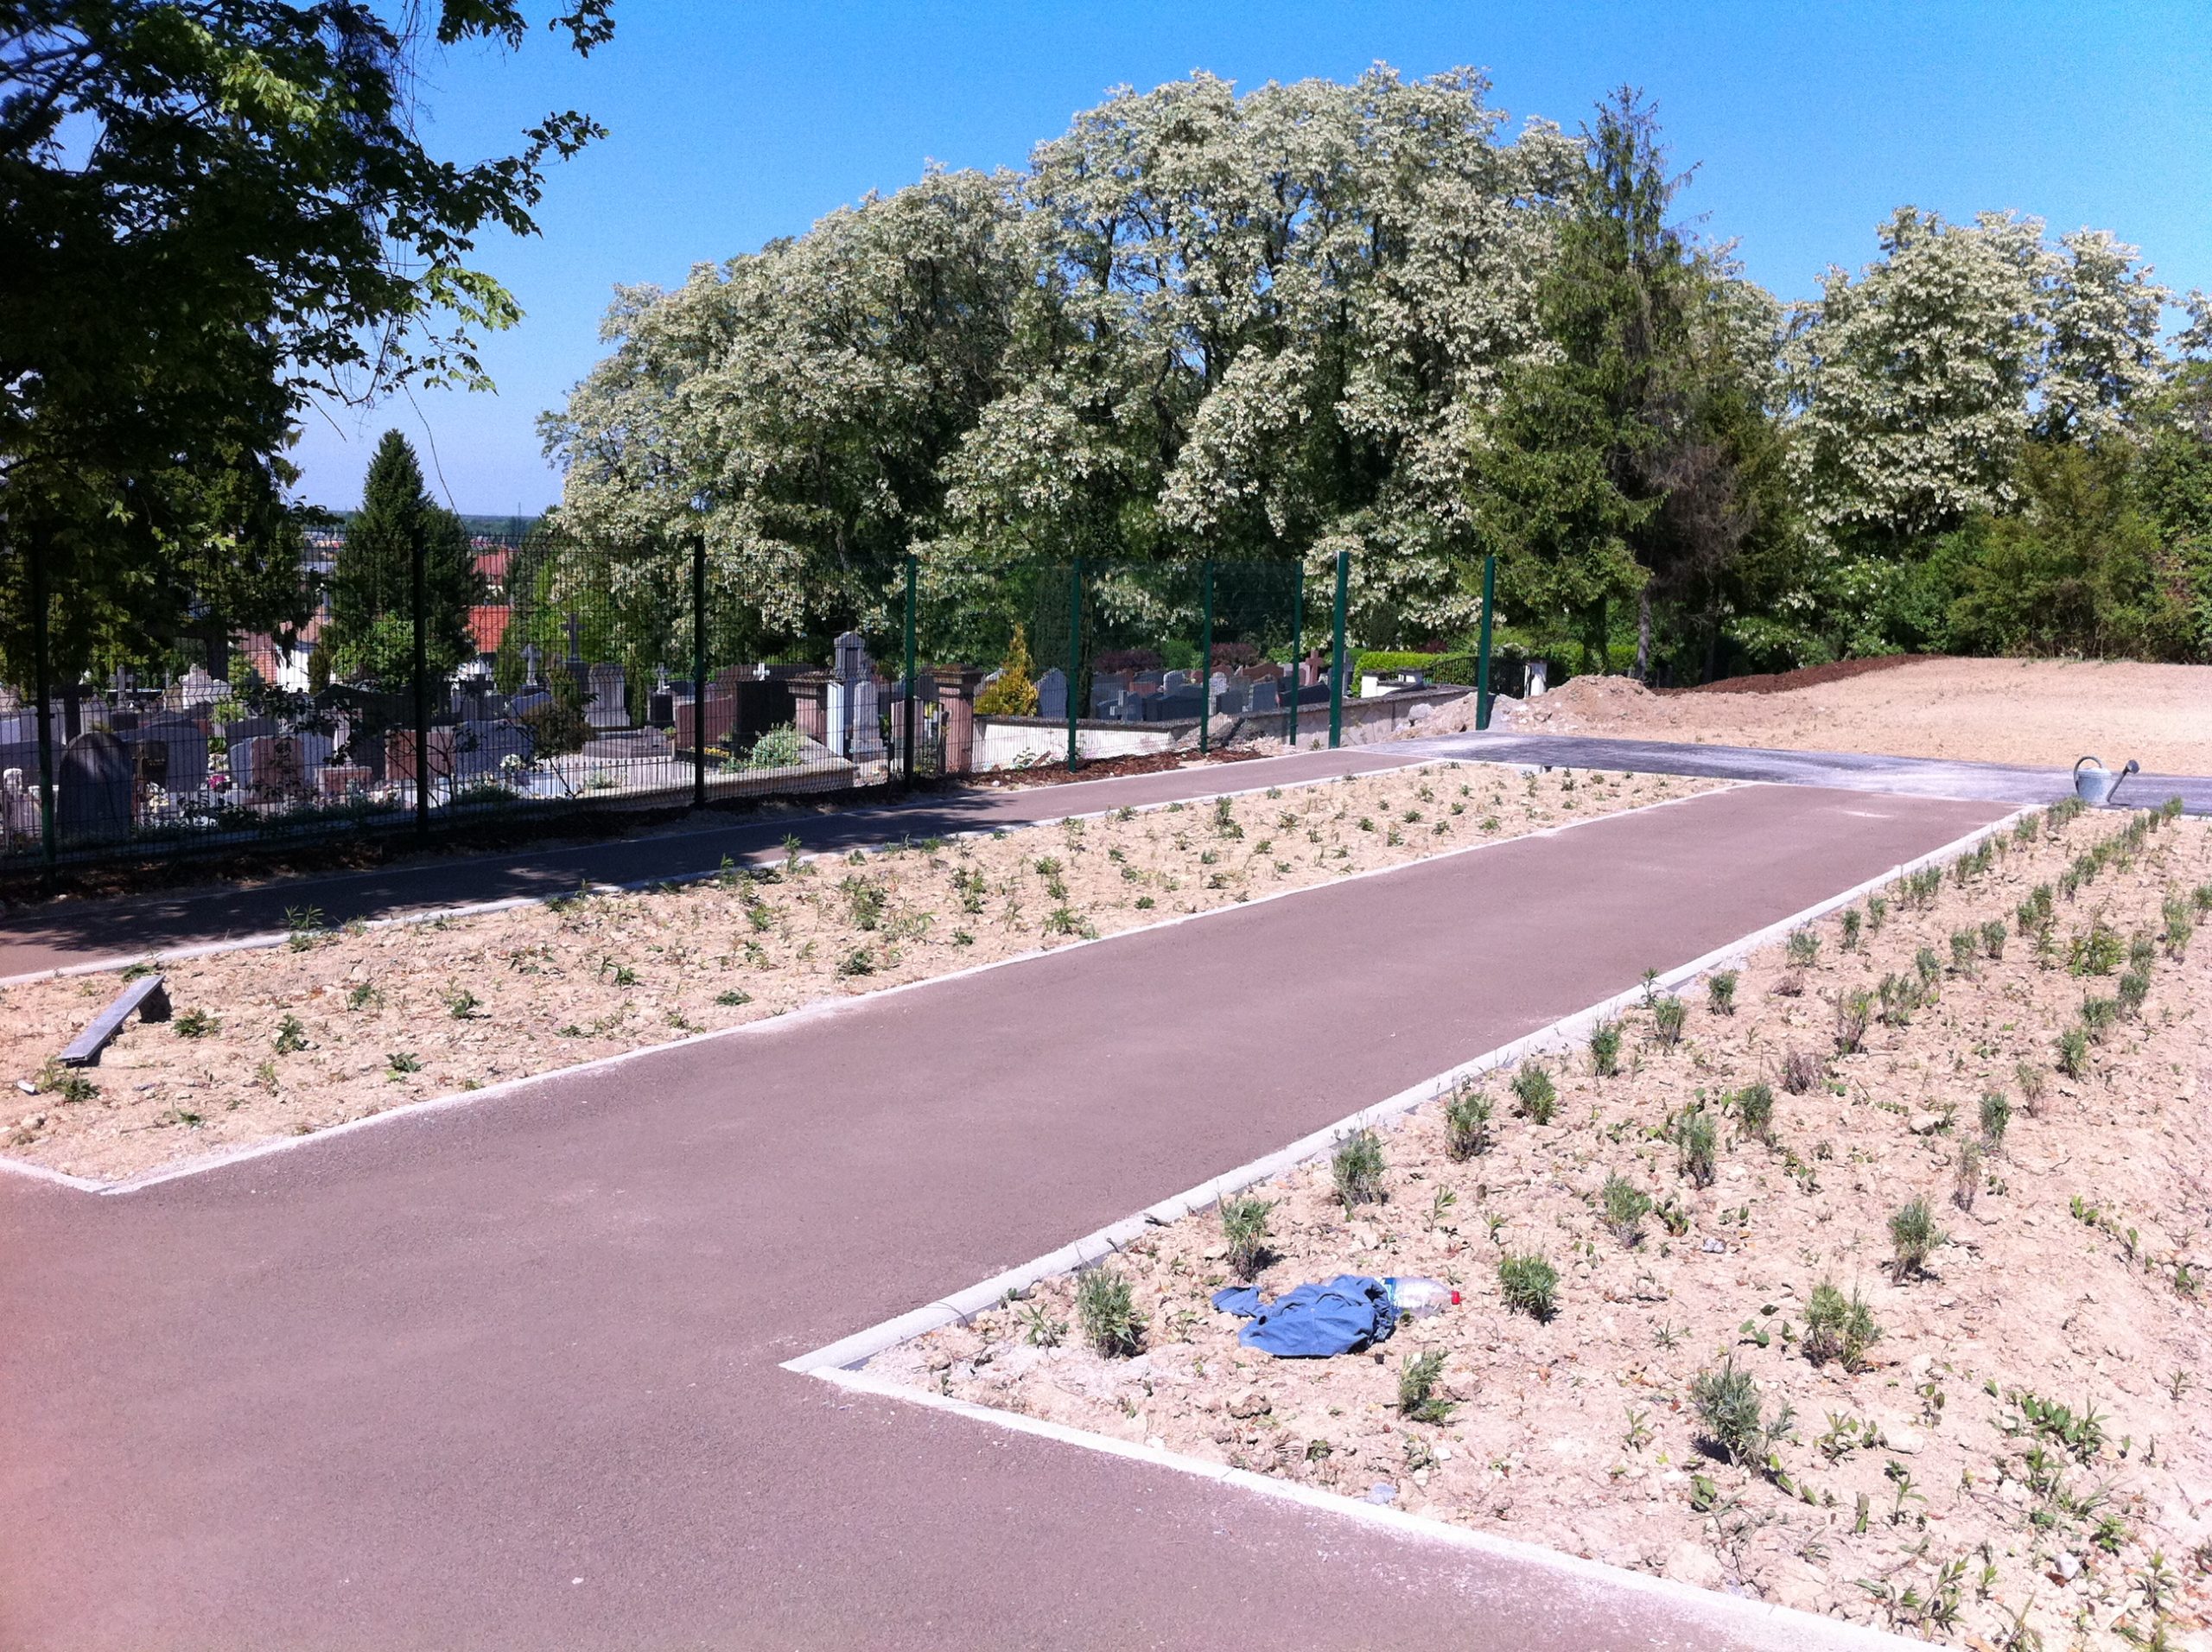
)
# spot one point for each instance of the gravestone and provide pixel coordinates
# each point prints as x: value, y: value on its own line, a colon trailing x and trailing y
x: 1052, y: 694
x: 194, y: 687
x: 849, y: 661
x: 19, y: 807
x: 530, y: 700
x: 1264, y: 696
x: 94, y: 786
x: 249, y: 728
x: 608, y: 706
x: 481, y: 748
x: 660, y: 708
x: 864, y: 744
x: 171, y: 753
x: 529, y: 665
x: 1174, y: 680
x: 629, y: 743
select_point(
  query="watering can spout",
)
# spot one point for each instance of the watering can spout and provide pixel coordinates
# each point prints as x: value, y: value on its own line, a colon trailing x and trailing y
x: 2095, y: 784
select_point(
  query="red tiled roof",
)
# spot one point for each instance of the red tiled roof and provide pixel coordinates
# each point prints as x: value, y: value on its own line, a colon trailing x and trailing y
x: 488, y: 626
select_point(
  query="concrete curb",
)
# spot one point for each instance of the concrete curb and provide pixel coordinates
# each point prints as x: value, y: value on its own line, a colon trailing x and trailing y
x: 805, y: 1012
x: 849, y: 1352
x: 1711, y: 1611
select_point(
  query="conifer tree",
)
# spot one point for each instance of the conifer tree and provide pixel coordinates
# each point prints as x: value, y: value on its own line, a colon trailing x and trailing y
x: 372, y: 634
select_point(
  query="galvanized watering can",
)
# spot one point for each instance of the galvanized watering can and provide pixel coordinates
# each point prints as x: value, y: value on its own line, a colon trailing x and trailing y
x: 2096, y: 784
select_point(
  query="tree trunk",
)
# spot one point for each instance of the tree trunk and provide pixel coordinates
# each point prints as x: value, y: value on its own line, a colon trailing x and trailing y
x: 1644, y: 635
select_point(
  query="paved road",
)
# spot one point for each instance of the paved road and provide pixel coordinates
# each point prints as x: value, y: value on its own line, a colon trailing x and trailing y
x: 506, y: 1374
x: 1915, y: 777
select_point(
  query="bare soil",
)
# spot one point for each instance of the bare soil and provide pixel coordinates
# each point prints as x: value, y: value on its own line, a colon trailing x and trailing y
x: 2044, y: 713
x: 336, y: 1026
x: 1928, y: 1489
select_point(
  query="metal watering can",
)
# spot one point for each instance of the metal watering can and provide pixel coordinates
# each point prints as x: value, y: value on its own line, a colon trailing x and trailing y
x: 2096, y: 784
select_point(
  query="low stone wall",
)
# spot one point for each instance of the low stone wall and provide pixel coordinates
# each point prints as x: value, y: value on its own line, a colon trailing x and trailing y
x: 1020, y: 742
x: 1015, y: 742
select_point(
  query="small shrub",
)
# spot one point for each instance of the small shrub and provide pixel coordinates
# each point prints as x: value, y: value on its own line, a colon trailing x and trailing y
x: 1850, y: 923
x: 1996, y: 1115
x: 1417, y: 1396
x: 1720, y: 992
x: 1358, y: 1168
x: 1801, y: 1071
x: 1626, y: 1205
x: 1966, y: 1180
x: 1838, y: 1329
x: 1992, y: 939
x: 1667, y: 1015
x: 2134, y: 988
x: 1755, y: 1111
x: 291, y: 1035
x: 1105, y: 1305
x: 2030, y: 1080
x: 1854, y: 1012
x: 2074, y: 1051
x: 864, y: 899
x: 2097, y: 951
x: 1964, y: 944
x: 1928, y: 966
x: 1695, y: 1140
x: 402, y: 1062
x: 1533, y: 1089
x: 462, y: 1004
x: 196, y: 1023
x: 1878, y: 913
x: 859, y: 961
x: 1529, y: 1285
x: 1605, y: 1048
x: 1244, y: 1228
x: 1467, y: 1123
x: 1913, y: 1237
x: 732, y: 999
x: 2099, y: 1015
x: 1804, y: 947
x: 1728, y: 1407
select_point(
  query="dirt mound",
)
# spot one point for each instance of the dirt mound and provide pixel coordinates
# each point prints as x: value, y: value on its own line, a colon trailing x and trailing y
x: 1805, y: 676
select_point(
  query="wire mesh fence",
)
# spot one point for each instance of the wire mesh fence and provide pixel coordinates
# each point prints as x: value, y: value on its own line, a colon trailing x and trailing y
x: 438, y: 684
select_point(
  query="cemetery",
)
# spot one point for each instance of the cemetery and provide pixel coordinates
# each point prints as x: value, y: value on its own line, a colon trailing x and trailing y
x: 1864, y: 1275
x: 338, y: 1024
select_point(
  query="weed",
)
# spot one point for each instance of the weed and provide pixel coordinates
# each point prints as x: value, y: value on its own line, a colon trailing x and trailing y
x: 1626, y: 1205
x: 1224, y: 818
x: 1996, y: 1116
x: 2097, y: 951
x: 196, y: 1024
x: 2099, y: 1016
x: 1754, y: 1106
x: 1244, y: 1227
x: 732, y: 999
x: 1105, y: 1305
x: 364, y: 996
x: 1696, y: 1139
x: 1855, y: 1013
x: 1417, y: 1396
x: 1358, y: 1168
x: 1529, y: 1285
x: 1637, y: 1435
x: 1667, y: 1015
x: 401, y: 1062
x: 1992, y: 939
x: 1720, y: 992
x: 792, y: 849
x: 265, y: 1075
x: 2082, y: 1434
x: 1913, y: 1236
x: 2134, y: 988
x: 1878, y: 913
x: 864, y: 900
x: 1928, y: 967
x: 67, y: 1083
x: 1839, y: 1328
x: 1966, y: 1176
x: 291, y: 1035
x: 1850, y: 923
x: 1605, y: 1048
x: 462, y: 1004
x: 1728, y: 1407
x: 1533, y: 1089
x: 1467, y: 1123
x: 859, y: 961
x: 1804, y: 947
x: 1801, y: 1071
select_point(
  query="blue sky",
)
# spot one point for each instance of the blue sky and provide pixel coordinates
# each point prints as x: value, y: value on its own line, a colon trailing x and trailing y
x: 732, y: 122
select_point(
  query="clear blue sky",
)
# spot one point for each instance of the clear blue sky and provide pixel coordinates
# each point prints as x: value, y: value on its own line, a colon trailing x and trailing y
x: 731, y: 122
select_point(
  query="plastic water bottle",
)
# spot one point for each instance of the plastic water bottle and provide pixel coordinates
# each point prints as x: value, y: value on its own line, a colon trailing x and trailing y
x: 1421, y: 1297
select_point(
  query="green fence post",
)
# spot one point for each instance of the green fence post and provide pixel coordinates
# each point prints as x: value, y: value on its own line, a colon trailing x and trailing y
x: 1297, y: 648
x: 42, y: 667
x: 1337, y: 671
x: 699, y: 672
x: 1481, y: 657
x: 913, y: 688
x: 1206, y: 665
x: 417, y: 580
x: 1074, y: 652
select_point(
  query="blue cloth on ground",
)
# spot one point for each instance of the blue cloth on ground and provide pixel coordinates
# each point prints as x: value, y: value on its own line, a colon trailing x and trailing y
x: 1343, y: 1315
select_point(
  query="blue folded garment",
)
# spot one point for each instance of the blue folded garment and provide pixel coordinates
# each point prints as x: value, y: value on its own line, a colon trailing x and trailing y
x: 1349, y: 1313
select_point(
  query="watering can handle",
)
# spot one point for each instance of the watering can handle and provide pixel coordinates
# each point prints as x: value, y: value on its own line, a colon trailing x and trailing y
x: 2080, y: 760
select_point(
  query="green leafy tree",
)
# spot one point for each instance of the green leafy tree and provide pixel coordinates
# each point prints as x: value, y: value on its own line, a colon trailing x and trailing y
x: 371, y: 633
x: 209, y: 213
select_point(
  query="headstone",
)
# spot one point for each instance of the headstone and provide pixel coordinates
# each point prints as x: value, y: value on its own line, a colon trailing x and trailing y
x: 481, y: 748
x: 660, y: 709
x: 1539, y: 674
x: 608, y: 706
x: 171, y: 753
x: 1264, y: 696
x: 865, y: 741
x: 529, y: 665
x: 249, y: 728
x: 194, y: 687
x: 850, y: 663
x: 1052, y: 694
x: 399, y: 755
x: 342, y: 781
x: 630, y: 743
x: 1174, y: 680
x: 19, y: 807
x: 530, y: 700
x: 93, y: 787
x: 721, y: 718
x: 1231, y: 699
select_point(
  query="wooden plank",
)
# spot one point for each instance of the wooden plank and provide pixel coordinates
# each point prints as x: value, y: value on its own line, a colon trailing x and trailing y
x: 149, y: 994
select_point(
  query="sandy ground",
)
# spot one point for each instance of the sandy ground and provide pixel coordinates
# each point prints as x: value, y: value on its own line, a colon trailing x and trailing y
x: 338, y: 1025
x: 2041, y: 711
x: 1918, y: 1491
